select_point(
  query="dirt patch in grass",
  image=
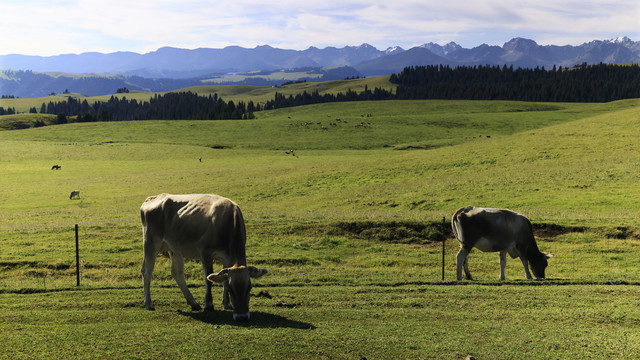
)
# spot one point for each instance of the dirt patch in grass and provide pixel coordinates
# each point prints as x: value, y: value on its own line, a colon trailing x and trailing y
x: 402, y: 232
x: 619, y: 232
x: 546, y: 230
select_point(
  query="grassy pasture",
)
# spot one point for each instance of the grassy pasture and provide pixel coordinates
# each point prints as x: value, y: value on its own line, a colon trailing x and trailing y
x: 338, y: 228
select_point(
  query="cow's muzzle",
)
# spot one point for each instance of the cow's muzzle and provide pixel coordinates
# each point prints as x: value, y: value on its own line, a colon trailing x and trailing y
x: 241, y: 317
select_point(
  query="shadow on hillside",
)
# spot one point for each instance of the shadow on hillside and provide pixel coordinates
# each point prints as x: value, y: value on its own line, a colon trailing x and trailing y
x: 258, y: 319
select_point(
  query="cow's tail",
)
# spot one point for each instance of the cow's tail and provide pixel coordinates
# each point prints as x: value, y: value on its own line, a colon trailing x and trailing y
x: 238, y: 237
x: 455, y: 222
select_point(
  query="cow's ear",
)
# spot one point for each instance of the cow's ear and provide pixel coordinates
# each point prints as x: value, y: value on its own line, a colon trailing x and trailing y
x: 547, y: 255
x: 221, y: 276
x: 254, y: 272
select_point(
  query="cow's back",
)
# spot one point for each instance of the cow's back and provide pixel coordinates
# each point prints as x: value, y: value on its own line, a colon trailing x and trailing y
x: 498, y: 228
x: 190, y: 224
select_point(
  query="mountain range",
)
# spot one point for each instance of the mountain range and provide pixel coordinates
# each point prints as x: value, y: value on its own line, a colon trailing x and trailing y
x: 168, y: 67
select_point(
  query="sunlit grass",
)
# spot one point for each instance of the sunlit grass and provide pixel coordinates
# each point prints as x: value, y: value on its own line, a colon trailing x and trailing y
x: 563, y: 164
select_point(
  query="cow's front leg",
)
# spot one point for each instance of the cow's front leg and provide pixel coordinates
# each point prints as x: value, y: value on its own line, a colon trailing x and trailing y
x: 207, y: 265
x: 177, y: 271
x: 225, y: 296
x: 503, y: 263
x: 525, y: 263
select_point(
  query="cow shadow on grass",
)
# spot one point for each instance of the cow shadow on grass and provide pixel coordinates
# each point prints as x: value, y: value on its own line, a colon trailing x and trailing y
x: 258, y: 319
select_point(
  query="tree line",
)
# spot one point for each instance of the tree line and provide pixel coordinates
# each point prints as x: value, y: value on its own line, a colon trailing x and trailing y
x: 595, y: 83
x: 281, y: 101
x: 583, y: 83
x: 171, y: 106
x: 191, y: 106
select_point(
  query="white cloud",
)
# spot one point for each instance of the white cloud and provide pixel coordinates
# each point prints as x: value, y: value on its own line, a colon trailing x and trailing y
x: 73, y: 26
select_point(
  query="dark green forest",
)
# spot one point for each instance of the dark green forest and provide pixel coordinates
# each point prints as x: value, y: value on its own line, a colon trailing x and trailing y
x: 583, y: 83
x: 171, y: 106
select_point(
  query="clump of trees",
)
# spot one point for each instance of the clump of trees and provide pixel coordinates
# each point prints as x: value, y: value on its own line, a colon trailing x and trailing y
x: 7, y: 111
x: 171, y: 106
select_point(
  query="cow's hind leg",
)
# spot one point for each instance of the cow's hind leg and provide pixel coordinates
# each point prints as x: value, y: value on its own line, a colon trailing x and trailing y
x: 462, y: 262
x: 177, y: 271
x: 148, y: 263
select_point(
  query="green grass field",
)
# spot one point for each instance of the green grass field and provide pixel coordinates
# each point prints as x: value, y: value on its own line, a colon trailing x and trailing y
x: 348, y: 230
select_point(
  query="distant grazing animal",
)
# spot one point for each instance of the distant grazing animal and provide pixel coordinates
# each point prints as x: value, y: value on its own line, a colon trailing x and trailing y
x: 56, y: 167
x: 290, y: 152
x: 75, y: 194
x: 493, y: 230
x: 204, y: 227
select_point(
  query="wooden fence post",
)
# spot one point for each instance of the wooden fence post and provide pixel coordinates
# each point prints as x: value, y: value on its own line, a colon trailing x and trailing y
x: 444, y: 239
x: 77, y: 259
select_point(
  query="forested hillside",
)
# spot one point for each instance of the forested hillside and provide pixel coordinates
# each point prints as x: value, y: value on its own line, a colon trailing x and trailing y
x: 597, y: 83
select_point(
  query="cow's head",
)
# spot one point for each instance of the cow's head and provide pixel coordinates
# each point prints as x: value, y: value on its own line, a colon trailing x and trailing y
x: 238, y: 281
x: 538, y: 264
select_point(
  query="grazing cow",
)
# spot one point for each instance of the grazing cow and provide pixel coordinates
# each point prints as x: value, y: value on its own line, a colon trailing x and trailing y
x: 493, y: 230
x: 204, y: 227
x: 75, y: 194
x: 56, y: 167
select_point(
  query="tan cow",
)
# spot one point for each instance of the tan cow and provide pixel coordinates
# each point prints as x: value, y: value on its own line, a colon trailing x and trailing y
x: 497, y: 230
x: 204, y: 227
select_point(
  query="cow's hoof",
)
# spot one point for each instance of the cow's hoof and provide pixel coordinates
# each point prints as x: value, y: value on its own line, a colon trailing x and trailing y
x: 208, y: 308
x: 196, y: 307
x: 241, y: 317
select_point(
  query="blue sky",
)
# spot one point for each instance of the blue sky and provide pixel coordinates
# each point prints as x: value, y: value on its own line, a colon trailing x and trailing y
x: 45, y: 27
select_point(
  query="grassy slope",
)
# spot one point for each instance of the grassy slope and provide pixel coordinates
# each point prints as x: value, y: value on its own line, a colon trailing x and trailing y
x: 570, y: 164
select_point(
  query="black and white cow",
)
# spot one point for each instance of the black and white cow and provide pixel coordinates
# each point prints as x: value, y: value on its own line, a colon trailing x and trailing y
x: 493, y: 230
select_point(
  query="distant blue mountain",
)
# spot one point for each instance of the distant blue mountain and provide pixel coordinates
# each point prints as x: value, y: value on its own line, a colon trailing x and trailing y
x: 518, y: 52
x: 183, y: 63
x: 168, y: 67
x: 23, y: 84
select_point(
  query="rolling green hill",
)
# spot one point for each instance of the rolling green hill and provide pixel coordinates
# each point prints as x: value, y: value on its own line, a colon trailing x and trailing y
x: 349, y: 228
x: 446, y: 137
